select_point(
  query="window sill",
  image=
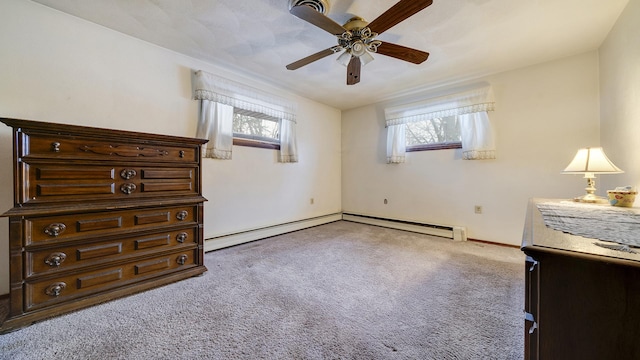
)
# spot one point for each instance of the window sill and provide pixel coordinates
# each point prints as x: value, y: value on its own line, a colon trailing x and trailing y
x: 255, y: 143
x: 429, y: 147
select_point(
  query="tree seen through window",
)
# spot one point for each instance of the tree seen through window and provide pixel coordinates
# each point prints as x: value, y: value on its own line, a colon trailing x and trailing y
x: 444, y: 130
x: 251, y: 127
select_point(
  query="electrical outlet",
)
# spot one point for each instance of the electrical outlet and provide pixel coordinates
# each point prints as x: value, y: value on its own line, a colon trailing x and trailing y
x: 385, y: 201
x: 311, y: 201
x: 478, y: 209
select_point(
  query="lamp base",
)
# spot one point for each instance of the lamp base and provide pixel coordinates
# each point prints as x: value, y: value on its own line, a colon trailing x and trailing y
x: 591, y: 199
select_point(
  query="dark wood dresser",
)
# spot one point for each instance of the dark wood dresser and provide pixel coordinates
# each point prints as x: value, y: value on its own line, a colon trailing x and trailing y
x: 99, y: 214
x: 582, y: 300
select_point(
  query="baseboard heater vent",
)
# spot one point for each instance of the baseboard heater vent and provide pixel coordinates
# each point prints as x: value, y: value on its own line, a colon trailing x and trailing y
x: 457, y: 233
x: 227, y: 240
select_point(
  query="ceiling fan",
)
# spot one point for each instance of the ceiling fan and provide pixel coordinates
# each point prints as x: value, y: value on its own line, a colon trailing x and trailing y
x: 358, y: 38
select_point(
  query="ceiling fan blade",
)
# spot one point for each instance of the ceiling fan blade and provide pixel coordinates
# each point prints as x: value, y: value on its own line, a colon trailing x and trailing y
x: 309, y: 14
x: 402, y: 53
x: 397, y: 13
x: 311, y: 58
x: 353, y: 71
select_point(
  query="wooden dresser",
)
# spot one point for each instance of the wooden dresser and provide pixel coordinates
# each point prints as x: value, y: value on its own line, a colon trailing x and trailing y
x: 582, y: 301
x: 99, y: 214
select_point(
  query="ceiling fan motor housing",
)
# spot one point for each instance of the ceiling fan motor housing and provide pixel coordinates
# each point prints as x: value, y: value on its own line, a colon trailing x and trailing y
x: 321, y: 6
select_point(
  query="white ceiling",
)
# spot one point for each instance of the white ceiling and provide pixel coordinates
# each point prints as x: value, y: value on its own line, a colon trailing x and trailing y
x: 466, y: 39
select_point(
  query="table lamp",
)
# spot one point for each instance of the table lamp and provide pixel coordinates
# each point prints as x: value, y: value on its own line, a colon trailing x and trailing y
x: 591, y: 161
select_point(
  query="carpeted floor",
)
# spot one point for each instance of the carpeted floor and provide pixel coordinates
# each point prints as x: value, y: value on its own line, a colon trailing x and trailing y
x: 337, y: 291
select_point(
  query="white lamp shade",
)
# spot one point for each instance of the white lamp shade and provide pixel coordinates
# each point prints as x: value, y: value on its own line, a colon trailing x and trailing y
x: 344, y: 58
x: 366, y: 58
x: 591, y: 160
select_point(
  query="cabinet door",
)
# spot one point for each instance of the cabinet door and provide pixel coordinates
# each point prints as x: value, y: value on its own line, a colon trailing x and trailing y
x: 588, y: 307
x: 532, y: 276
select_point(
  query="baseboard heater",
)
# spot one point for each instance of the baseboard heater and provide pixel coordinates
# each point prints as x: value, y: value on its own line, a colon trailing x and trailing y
x: 227, y: 240
x: 457, y: 233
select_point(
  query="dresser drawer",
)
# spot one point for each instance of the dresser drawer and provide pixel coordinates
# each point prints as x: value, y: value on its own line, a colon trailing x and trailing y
x: 76, y: 256
x: 54, y: 146
x: 48, y: 292
x: 53, y: 182
x: 53, y: 229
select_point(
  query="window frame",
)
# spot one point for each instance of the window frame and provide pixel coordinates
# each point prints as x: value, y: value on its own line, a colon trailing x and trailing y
x: 438, y: 146
x: 240, y: 141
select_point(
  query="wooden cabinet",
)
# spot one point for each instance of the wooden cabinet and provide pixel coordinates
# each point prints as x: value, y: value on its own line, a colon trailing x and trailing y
x: 99, y: 214
x: 582, y: 301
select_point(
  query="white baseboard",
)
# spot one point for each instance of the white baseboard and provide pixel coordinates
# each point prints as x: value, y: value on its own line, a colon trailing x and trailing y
x: 223, y: 241
x: 457, y: 233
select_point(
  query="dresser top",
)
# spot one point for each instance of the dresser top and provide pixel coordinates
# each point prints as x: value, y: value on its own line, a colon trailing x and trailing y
x: 64, y: 129
x: 595, y: 231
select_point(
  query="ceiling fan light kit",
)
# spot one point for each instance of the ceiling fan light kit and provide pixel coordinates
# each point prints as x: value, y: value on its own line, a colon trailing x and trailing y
x: 357, y: 37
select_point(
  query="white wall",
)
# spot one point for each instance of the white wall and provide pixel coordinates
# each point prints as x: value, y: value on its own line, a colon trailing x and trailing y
x: 57, y: 68
x: 620, y: 98
x: 544, y: 113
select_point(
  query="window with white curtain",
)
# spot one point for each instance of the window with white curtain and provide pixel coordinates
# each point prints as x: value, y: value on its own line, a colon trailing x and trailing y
x: 458, y: 120
x: 236, y: 114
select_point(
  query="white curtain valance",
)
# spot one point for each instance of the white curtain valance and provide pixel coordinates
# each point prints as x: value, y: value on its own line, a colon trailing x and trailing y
x: 224, y: 91
x: 464, y: 102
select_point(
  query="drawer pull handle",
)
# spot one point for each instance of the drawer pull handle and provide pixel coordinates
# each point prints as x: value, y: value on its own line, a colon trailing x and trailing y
x: 128, y: 174
x: 128, y: 188
x: 55, y: 259
x: 533, y: 262
x: 55, y: 146
x: 529, y: 317
x: 55, y: 229
x: 182, y: 259
x: 55, y: 289
x: 181, y: 153
x: 181, y: 237
x: 181, y: 215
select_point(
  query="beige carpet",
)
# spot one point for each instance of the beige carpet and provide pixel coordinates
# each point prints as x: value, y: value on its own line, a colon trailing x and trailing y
x: 337, y: 291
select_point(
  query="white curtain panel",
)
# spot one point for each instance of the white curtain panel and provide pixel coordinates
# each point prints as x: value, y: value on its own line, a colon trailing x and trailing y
x: 396, y: 143
x: 288, y: 142
x: 470, y: 104
x: 216, y: 124
x: 477, y: 136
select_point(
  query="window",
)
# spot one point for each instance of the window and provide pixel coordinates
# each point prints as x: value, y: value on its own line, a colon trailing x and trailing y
x: 457, y: 120
x: 433, y: 134
x: 255, y: 129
